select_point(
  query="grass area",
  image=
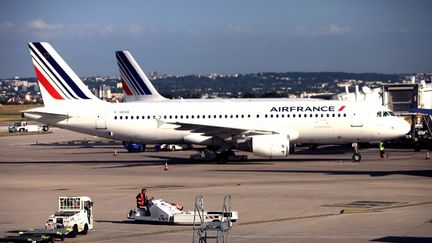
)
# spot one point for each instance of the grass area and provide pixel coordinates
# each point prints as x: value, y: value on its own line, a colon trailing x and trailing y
x: 13, y: 112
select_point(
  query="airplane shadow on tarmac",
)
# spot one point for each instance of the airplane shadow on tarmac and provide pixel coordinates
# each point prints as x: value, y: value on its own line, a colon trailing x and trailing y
x: 424, y: 173
x: 403, y: 239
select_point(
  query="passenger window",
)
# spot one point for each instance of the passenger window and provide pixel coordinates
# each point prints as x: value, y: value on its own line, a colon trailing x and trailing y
x: 310, y: 115
x: 121, y: 117
x: 265, y: 115
x: 142, y: 117
x: 137, y: 117
x: 148, y: 117
x: 181, y: 116
x: 115, y: 117
x: 283, y: 115
x: 249, y: 115
x: 333, y: 115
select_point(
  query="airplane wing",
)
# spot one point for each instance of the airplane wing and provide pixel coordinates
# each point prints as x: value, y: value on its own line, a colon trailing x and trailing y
x: 225, y: 132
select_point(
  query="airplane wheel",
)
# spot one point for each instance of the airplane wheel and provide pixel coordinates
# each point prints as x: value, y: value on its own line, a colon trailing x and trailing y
x: 74, y: 232
x: 86, y: 228
x: 356, y: 157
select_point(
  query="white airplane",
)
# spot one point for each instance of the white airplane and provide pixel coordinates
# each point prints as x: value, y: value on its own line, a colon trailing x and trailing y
x: 266, y: 127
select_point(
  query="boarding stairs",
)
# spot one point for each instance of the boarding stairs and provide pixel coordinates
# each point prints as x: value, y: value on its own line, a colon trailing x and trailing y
x: 211, y: 230
x: 428, y: 123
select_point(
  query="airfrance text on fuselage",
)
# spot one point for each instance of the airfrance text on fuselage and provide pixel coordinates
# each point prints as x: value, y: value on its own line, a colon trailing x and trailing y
x: 324, y: 108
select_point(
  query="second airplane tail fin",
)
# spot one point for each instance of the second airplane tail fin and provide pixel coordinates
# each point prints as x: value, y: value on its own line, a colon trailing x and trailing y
x: 136, y: 85
x: 57, y: 81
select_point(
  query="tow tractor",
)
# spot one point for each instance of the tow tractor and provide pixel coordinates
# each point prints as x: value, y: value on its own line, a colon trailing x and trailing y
x: 22, y: 126
x: 75, y: 215
x: 161, y: 211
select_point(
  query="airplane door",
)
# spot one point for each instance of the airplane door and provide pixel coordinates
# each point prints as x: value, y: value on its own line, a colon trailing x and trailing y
x: 356, y: 120
x: 100, y: 120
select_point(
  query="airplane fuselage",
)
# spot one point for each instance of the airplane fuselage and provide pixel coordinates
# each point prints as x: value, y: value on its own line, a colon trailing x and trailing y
x: 304, y: 121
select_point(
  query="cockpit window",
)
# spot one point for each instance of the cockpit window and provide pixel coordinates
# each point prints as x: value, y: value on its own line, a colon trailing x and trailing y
x: 385, y: 113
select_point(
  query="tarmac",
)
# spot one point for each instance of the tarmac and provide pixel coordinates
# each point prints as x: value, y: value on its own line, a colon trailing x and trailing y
x: 311, y: 196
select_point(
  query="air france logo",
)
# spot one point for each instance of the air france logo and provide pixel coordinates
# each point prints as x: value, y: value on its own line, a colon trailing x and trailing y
x: 324, y: 108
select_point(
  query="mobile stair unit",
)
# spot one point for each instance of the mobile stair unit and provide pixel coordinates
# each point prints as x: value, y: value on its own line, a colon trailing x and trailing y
x: 217, y: 229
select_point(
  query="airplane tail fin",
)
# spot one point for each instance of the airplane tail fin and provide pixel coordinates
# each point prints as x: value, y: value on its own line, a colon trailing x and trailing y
x: 136, y: 85
x: 57, y: 82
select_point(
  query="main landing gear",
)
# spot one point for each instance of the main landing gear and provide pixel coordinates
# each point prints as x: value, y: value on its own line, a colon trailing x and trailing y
x: 356, y: 154
x: 222, y: 157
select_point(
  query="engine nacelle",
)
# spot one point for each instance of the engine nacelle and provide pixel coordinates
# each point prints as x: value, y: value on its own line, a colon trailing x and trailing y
x: 270, y: 146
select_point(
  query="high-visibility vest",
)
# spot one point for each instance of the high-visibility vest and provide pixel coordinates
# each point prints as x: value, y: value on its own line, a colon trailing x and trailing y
x: 381, y: 146
x: 140, y: 199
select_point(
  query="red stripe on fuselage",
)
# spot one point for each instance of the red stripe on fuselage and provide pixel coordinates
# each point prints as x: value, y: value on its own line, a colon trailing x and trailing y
x: 341, y: 108
x: 126, y: 88
x: 46, y: 84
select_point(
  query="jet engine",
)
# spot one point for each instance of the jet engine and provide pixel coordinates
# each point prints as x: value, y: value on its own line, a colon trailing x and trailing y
x: 270, y: 146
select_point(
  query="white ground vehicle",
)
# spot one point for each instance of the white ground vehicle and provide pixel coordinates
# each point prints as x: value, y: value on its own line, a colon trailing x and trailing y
x: 175, y: 147
x: 165, y: 212
x: 75, y: 215
x: 22, y: 126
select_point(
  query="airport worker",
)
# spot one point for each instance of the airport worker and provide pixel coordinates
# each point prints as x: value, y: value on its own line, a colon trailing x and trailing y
x: 142, y: 199
x: 381, y: 149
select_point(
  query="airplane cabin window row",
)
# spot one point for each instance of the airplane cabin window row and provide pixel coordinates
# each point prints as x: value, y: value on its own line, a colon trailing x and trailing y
x: 228, y: 116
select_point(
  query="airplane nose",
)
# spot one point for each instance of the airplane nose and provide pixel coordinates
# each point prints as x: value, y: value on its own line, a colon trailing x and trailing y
x: 404, y: 127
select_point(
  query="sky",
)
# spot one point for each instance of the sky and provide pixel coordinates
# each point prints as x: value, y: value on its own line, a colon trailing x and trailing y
x: 226, y: 36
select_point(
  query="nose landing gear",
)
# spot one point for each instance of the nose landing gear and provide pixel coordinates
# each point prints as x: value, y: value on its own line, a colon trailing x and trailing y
x: 356, y: 154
